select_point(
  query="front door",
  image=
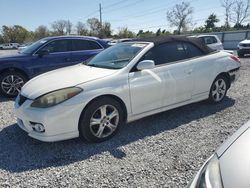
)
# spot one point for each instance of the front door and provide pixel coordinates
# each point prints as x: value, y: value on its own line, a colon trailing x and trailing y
x: 146, y: 89
x: 59, y: 56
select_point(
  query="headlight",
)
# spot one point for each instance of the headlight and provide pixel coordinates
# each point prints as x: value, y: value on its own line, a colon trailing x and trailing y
x: 56, y: 97
x: 209, y: 176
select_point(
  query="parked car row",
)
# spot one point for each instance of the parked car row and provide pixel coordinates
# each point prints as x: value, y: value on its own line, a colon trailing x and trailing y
x: 9, y: 46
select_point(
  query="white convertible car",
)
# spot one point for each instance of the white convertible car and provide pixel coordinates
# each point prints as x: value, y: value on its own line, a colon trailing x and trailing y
x: 123, y: 83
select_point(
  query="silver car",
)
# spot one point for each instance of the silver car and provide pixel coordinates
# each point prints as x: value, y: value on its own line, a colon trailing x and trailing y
x: 229, y: 166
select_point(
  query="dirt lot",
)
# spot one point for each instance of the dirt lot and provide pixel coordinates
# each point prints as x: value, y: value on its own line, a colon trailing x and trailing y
x: 164, y: 150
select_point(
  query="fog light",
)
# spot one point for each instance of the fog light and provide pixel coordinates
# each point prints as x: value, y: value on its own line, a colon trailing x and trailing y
x: 38, y: 127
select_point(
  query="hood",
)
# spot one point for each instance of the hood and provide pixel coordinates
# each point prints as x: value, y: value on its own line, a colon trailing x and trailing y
x: 63, y: 78
x: 235, y: 160
x: 245, y: 42
x: 12, y: 57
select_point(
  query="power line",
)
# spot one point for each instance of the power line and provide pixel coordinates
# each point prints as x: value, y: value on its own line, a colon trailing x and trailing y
x: 158, y: 26
x: 114, y: 4
x: 148, y: 12
x: 90, y: 14
x: 125, y: 6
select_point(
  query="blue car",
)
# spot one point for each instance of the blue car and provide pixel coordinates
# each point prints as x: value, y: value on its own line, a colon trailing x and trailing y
x: 45, y: 55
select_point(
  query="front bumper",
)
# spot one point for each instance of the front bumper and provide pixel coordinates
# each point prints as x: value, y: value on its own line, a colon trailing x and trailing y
x: 60, y: 122
x: 243, y: 51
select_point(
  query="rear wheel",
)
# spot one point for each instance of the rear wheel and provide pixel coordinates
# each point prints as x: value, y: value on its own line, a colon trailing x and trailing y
x: 11, y: 83
x: 101, y: 120
x: 218, y: 89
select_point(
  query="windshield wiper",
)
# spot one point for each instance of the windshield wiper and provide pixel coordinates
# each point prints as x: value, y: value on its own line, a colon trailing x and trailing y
x: 120, y: 60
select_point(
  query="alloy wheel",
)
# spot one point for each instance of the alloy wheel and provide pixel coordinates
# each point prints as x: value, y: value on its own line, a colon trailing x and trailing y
x: 104, y: 121
x: 12, y: 84
x: 219, y: 90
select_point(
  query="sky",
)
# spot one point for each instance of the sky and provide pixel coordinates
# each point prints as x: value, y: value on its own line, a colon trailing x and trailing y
x: 134, y: 14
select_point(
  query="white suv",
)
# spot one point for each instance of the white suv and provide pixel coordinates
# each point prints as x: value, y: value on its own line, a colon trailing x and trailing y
x: 9, y: 46
x: 212, y: 41
x: 244, y: 47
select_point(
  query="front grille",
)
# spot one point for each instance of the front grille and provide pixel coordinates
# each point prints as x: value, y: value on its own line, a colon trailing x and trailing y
x: 22, y: 99
x: 246, y: 45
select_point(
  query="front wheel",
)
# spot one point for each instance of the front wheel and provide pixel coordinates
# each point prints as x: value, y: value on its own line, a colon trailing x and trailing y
x: 11, y: 83
x: 218, y: 89
x: 100, y: 120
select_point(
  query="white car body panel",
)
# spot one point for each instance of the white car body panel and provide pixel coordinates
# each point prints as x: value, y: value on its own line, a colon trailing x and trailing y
x: 72, y: 76
x: 234, y: 160
x: 143, y: 92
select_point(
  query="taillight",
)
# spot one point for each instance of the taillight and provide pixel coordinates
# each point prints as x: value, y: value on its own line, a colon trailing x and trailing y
x: 235, y: 58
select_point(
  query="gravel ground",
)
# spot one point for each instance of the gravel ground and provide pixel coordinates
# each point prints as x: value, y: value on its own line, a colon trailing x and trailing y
x: 164, y: 150
x: 7, y: 52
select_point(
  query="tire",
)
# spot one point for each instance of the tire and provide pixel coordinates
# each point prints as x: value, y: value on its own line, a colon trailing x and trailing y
x: 219, y: 89
x: 104, y: 124
x: 11, y: 83
x: 240, y: 54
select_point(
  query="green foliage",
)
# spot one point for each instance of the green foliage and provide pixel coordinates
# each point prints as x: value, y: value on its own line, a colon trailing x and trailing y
x: 106, y: 30
x: 40, y: 32
x: 14, y: 33
x: 210, y: 22
x: 124, y: 32
x: 1, y: 39
x: 94, y: 26
x: 81, y: 28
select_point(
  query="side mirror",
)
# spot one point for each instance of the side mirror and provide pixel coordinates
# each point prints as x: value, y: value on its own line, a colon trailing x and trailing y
x: 145, y: 64
x: 43, y: 52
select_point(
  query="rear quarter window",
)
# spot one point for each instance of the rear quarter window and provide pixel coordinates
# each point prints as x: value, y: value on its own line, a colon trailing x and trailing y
x: 192, y: 50
x: 80, y: 45
x: 209, y: 40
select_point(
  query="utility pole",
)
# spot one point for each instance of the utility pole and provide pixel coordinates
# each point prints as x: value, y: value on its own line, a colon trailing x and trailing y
x: 100, y: 9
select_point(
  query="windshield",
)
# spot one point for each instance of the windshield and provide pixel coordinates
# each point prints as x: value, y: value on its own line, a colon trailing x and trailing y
x: 30, y: 49
x: 116, y: 57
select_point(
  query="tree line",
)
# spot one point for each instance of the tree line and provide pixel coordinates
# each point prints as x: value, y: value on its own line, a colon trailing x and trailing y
x: 236, y: 13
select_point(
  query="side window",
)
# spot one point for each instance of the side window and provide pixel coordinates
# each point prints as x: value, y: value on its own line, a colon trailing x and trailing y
x: 57, y: 46
x: 209, y: 40
x: 94, y: 45
x: 192, y: 51
x: 166, y: 53
x: 79, y: 45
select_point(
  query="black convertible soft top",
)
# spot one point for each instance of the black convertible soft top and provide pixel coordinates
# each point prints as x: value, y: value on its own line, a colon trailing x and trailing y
x: 164, y: 39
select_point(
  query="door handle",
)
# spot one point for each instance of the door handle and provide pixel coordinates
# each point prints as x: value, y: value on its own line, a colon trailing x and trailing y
x: 67, y: 59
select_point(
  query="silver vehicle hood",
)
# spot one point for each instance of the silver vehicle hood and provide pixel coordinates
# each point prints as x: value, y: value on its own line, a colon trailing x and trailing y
x: 234, y: 157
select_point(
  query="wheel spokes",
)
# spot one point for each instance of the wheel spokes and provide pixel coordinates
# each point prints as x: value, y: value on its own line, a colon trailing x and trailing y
x: 219, y: 90
x: 104, y: 121
x: 113, y: 114
x: 100, y: 131
x: 103, y: 110
x: 95, y: 121
x: 111, y: 127
x: 12, y: 84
